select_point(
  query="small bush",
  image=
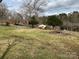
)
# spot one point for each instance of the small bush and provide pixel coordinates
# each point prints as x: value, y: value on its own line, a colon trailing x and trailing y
x: 54, y: 21
x: 33, y: 21
x: 7, y: 23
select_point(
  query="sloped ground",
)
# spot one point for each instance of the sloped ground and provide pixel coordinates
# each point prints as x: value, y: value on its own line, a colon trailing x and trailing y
x: 38, y: 44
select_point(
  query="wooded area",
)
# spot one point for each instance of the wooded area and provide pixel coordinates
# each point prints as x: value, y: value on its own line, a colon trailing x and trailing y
x: 30, y: 15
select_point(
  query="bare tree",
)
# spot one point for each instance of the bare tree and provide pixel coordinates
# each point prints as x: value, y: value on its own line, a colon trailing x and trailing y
x: 3, y: 10
x: 34, y: 7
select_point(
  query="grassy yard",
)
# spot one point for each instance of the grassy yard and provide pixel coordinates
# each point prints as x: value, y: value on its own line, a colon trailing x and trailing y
x: 28, y: 43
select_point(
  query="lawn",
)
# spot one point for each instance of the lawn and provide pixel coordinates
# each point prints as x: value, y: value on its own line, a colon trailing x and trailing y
x: 26, y: 43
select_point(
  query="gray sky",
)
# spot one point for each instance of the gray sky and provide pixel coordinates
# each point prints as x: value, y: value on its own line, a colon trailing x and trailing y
x: 53, y: 6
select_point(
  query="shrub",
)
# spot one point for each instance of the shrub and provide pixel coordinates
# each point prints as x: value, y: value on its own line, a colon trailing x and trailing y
x: 33, y: 21
x: 7, y: 23
x: 54, y: 21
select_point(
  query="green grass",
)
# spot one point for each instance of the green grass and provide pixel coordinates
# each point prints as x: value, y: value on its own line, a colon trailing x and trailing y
x: 38, y: 44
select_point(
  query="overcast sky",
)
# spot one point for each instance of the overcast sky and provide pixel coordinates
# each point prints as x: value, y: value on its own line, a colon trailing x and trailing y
x: 53, y: 7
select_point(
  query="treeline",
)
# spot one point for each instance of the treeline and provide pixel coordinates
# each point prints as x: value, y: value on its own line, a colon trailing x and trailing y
x: 68, y: 21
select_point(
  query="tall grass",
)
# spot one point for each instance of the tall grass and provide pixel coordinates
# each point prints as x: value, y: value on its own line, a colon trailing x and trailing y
x: 38, y: 44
